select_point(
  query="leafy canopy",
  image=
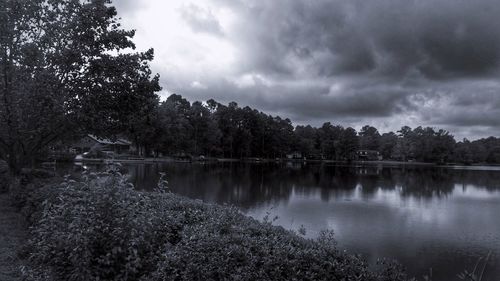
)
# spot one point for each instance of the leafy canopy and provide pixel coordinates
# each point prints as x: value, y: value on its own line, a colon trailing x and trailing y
x: 66, y: 66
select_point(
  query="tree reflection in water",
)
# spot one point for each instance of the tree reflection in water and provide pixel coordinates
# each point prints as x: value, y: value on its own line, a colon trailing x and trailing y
x: 249, y: 185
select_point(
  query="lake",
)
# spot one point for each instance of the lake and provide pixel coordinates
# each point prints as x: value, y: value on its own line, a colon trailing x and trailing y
x: 444, y: 218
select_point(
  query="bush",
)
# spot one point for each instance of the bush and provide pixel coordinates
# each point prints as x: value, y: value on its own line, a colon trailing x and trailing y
x: 100, y: 228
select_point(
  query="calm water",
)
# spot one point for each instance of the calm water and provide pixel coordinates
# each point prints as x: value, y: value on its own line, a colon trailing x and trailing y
x: 444, y: 218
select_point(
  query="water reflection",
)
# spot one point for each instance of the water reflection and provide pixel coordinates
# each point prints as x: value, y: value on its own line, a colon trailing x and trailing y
x: 424, y: 217
x: 257, y: 184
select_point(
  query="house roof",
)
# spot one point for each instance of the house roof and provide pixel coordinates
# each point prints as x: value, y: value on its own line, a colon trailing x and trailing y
x: 105, y: 141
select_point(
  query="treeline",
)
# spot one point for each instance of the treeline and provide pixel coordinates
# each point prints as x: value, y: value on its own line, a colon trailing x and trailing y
x: 178, y: 127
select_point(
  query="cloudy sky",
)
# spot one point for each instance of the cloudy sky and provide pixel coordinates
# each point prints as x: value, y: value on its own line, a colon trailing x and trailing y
x: 385, y: 63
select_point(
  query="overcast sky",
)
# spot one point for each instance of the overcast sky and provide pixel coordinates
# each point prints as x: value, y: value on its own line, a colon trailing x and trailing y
x: 385, y: 63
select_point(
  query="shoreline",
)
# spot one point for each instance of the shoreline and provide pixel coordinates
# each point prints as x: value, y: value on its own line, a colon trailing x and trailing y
x: 281, y: 160
x: 228, y: 160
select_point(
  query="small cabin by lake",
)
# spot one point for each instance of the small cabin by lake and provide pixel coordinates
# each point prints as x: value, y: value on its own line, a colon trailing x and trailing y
x: 368, y: 155
x: 294, y: 155
x: 86, y: 143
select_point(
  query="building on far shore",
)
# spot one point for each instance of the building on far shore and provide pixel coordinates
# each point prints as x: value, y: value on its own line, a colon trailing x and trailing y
x: 90, y: 141
x: 294, y: 155
x: 368, y: 155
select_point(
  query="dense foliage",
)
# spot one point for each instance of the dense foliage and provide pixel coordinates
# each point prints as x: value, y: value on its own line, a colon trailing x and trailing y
x: 212, y: 129
x: 66, y: 66
x: 100, y: 228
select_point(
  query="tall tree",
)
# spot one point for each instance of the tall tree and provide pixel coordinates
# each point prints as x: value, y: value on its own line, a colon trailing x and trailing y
x: 204, y: 131
x: 369, y: 138
x: 306, y: 140
x: 348, y: 143
x: 63, y: 70
x: 388, y: 142
x: 330, y: 136
x: 176, y: 126
x: 403, y: 148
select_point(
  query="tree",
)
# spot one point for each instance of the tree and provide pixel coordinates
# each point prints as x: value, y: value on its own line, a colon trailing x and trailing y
x: 228, y: 122
x: 402, y: 149
x: 330, y: 137
x: 205, y: 134
x: 443, y: 144
x: 146, y: 129
x: 348, y: 143
x: 388, y: 142
x: 63, y: 71
x: 462, y: 152
x: 369, y: 138
x: 175, y: 124
x: 306, y: 140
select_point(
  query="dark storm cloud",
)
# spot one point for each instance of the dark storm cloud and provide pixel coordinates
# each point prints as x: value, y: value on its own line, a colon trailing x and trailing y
x: 439, y: 39
x: 412, y: 52
x: 490, y: 119
x: 311, y: 100
x: 466, y: 104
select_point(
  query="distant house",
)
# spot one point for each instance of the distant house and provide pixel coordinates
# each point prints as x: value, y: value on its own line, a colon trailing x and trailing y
x: 89, y: 141
x: 368, y: 155
x: 294, y: 155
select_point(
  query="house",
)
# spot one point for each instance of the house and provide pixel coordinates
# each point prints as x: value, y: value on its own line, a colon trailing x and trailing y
x: 89, y: 141
x: 294, y: 155
x: 368, y: 155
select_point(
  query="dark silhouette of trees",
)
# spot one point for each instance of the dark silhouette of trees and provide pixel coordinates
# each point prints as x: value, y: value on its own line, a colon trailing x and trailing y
x: 348, y: 144
x: 63, y: 71
x: 387, y: 144
x: 369, y: 138
x: 306, y: 140
x: 485, y: 150
x: 217, y: 130
x: 175, y: 125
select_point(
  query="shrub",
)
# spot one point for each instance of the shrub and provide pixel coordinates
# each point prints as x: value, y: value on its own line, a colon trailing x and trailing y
x: 100, y: 228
